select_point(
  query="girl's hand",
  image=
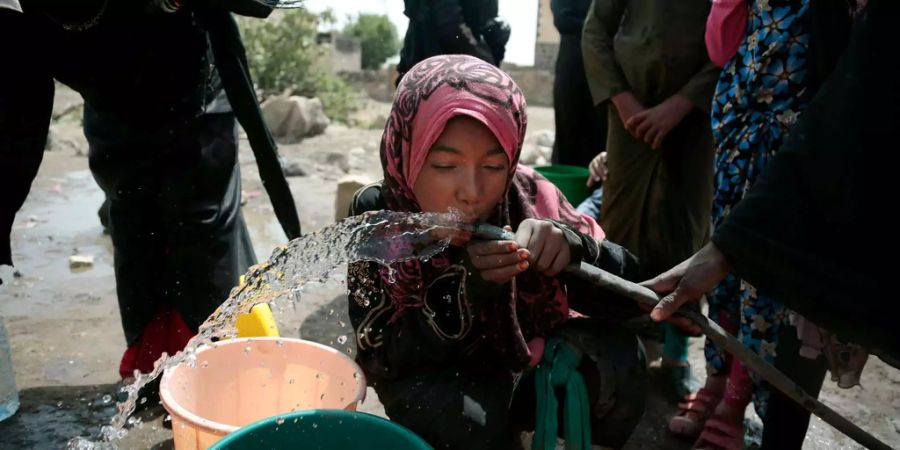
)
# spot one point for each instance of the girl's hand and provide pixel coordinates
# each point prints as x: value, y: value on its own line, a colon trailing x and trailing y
x: 598, y: 170
x: 498, y: 261
x: 548, y: 248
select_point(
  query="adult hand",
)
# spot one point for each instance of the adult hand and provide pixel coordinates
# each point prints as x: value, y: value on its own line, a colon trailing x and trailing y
x: 688, y: 281
x: 654, y: 124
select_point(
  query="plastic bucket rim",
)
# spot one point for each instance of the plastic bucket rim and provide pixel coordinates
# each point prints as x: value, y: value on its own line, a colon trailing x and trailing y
x: 349, y: 415
x: 565, y: 170
x: 177, y: 410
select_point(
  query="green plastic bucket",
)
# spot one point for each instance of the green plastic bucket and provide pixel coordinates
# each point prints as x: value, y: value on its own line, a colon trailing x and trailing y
x: 322, y: 429
x: 570, y: 180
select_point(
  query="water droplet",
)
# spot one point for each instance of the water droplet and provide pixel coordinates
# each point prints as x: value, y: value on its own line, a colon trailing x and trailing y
x: 318, y: 375
x: 291, y: 381
x: 204, y: 365
x: 59, y: 404
x: 315, y: 425
x: 247, y: 350
x: 322, y: 397
x: 356, y: 375
x: 143, y: 400
x: 342, y: 324
x: 279, y: 343
x: 279, y: 421
x: 313, y: 258
x: 107, y: 399
x: 342, y: 339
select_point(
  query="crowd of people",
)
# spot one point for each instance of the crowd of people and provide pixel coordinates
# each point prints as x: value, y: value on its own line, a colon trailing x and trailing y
x: 736, y: 151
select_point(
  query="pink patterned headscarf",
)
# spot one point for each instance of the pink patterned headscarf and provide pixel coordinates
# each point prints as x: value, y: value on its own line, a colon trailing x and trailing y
x: 429, y: 95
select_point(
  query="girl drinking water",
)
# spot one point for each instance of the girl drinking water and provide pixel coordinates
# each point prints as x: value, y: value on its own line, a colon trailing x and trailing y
x: 479, y: 343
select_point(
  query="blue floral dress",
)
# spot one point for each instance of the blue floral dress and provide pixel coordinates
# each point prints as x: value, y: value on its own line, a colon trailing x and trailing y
x: 759, y: 95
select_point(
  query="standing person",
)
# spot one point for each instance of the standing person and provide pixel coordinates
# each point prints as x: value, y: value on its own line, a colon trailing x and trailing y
x: 653, y: 66
x: 761, y: 92
x: 451, y: 344
x: 444, y: 27
x: 828, y: 184
x: 163, y: 147
x: 580, y: 125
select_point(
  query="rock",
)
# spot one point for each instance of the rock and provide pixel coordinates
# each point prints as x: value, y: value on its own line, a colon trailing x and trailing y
x: 66, y: 101
x: 66, y: 137
x: 52, y: 143
x: 346, y: 187
x: 293, y: 169
x: 293, y: 118
x: 546, y: 152
x: 314, y: 113
x: 544, y: 138
x: 368, y: 119
x: 358, y: 159
x: 339, y: 160
x: 530, y: 154
x: 81, y: 261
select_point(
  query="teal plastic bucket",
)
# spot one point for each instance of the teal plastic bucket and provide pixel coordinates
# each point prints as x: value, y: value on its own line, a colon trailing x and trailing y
x: 322, y: 429
x: 570, y: 180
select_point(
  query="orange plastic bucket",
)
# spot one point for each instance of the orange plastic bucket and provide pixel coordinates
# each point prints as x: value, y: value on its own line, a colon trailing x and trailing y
x: 241, y: 381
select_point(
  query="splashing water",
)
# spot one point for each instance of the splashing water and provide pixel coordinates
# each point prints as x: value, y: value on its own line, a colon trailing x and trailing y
x: 384, y: 237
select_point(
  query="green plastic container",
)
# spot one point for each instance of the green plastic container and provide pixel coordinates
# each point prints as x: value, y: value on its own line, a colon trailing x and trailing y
x: 570, y: 180
x: 322, y: 429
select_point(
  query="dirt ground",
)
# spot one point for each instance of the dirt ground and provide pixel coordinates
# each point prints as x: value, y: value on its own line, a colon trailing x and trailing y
x: 66, y: 335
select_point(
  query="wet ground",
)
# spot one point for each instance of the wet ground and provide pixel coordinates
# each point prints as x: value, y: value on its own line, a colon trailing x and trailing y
x: 67, y: 339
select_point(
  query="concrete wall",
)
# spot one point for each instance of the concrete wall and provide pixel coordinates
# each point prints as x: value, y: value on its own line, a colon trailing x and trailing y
x: 545, y: 55
x: 536, y: 83
x: 546, y: 31
x: 546, y: 44
x: 377, y: 84
x: 344, y: 53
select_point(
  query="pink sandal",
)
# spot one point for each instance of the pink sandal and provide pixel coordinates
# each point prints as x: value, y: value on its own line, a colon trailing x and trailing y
x: 719, y: 434
x: 701, y: 404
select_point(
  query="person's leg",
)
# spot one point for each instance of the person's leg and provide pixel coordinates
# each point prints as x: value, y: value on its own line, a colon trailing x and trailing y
x: 675, y: 362
x: 723, y: 309
x: 580, y: 126
x: 122, y: 161
x: 786, y: 421
x: 206, y: 240
x: 762, y: 319
x: 453, y: 408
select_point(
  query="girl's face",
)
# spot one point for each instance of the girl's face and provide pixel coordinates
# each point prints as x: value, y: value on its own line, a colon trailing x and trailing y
x: 466, y: 169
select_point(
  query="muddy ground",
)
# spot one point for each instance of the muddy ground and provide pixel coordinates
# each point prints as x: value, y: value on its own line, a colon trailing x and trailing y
x: 64, y: 323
